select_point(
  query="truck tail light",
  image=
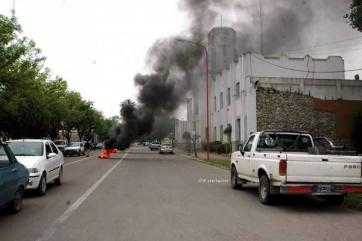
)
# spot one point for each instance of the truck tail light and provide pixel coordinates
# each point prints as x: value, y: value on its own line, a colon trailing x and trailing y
x: 282, y: 167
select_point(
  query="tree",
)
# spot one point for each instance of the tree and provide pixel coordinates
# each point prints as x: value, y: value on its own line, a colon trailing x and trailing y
x: 105, y: 126
x: 194, y: 137
x: 228, y: 131
x: 56, y: 92
x: 187, y: 136
x: 355, y: 15
x: 127, y: 102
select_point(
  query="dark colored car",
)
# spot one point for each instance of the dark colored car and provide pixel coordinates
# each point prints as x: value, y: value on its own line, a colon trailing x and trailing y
x: 14, y: 178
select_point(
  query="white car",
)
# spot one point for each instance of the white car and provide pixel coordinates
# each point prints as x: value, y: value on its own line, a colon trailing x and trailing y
x: 166, y: 148
x: 43, y: 159
x: 74, y: 148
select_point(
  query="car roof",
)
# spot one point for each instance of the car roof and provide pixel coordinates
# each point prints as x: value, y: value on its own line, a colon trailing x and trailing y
x: 28, y: 140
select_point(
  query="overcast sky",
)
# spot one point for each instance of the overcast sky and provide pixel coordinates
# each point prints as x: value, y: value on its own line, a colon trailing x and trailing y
x: 98, y: 46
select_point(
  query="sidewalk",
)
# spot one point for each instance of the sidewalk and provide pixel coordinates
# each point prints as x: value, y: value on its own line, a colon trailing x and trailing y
x: 202, y: 156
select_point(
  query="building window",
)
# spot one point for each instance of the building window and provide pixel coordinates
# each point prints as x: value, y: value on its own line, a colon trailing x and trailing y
x: 237, y: 90
x: 221, y: 101
x: 214, y: 103
x: 229, y: 97
x: 221, y: 133
x: 215, y: 133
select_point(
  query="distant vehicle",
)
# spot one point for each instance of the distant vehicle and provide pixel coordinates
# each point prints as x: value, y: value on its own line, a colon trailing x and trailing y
x: 330, y: 148
x: 61, y: 144
x: 155, y: 145
x: 43, y: 159
x: 14, y: 178
x: 100, y: 145
x: 166, y: 148
x: 74, y: 148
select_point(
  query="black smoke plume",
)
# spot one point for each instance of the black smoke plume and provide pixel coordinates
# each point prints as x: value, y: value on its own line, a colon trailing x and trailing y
x: 262, y: 26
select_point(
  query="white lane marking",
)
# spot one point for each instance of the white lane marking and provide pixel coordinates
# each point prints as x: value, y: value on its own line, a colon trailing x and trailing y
x: 70, y: 163
x: 47, y: 234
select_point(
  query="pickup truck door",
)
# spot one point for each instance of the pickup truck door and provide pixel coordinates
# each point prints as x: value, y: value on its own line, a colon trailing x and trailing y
x: 243, y: 161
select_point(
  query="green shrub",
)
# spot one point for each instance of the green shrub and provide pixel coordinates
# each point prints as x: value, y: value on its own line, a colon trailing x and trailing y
x: 214, y: 146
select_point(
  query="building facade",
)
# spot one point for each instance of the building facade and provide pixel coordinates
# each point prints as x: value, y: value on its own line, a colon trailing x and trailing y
x: 237, y: 92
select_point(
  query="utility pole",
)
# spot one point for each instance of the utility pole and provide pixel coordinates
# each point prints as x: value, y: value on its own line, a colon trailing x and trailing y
x: 261, y: 28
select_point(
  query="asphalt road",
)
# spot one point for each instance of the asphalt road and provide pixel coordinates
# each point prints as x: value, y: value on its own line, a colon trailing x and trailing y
x: 141, y: 195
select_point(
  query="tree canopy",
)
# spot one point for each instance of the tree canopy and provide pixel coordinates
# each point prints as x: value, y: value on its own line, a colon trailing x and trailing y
x: 33, y: 104
x: 355, y: 15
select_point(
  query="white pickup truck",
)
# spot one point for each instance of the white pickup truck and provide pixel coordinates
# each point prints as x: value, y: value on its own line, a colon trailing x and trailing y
x: 287, y: 162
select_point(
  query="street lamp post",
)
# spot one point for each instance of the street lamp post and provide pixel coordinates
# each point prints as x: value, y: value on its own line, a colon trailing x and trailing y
x: 207, y: 95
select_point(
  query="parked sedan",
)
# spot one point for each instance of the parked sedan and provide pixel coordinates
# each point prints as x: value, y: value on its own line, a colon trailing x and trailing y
x: 61, y: 144
x: 14, y: 178
x: 43, y: 159
x: 74, y: 148
x: 166, y: 148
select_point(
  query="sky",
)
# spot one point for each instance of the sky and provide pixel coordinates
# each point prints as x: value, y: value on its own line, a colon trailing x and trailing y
x: 98, y: 46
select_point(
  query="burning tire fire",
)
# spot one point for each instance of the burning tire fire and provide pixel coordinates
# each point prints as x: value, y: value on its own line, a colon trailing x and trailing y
x: 107, y: 152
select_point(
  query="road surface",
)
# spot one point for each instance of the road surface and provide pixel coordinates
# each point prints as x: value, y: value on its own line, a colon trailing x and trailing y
x: 140, y: 195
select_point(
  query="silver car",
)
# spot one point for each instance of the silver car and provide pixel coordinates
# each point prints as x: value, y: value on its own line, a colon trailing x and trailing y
x: 166, y: 148
x: 74, y: 148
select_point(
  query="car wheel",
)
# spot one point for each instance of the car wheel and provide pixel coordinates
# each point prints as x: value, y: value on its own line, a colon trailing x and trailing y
x: 59, y: 180
x: 234, y: 179
x: 17, y: 203
x: 42, y: 188
x: 264, y: 190
x: 79, y: 152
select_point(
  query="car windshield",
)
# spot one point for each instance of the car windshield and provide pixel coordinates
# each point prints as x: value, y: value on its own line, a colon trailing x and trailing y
x: 26, y: 148
x: 59, y: 142
x: 74, y: 144
x: 166, y: 145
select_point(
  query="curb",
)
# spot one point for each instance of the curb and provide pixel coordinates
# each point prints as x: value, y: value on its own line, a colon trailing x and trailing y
x: 198, y: 159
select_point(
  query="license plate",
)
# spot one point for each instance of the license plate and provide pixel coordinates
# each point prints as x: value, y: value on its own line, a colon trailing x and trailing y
x: 324, y: 188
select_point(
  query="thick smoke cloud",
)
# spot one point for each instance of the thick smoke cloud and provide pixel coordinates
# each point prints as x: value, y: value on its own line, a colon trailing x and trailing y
x: 261, y: 26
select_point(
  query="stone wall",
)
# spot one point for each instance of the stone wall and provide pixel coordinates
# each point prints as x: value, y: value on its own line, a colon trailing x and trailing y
x: 292, y: 111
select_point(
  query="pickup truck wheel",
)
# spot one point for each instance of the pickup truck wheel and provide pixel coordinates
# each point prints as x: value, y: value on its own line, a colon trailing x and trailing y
x: 264, y: 190
x: 235, y: 179
x: 334, y: 200
x: 42, y: 188
x: 16, y: 204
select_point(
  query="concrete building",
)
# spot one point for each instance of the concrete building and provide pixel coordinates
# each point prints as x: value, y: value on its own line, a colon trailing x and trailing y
x: 221, y: 48
x: 233, y: 89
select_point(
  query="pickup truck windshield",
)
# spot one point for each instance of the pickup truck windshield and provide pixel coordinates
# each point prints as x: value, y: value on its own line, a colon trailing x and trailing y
x: 289, y: 142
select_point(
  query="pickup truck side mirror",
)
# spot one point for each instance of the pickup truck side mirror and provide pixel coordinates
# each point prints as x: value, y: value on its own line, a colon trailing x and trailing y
x: 240, y: 148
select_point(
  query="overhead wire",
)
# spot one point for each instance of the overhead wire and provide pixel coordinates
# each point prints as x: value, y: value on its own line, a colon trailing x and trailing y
x: 322, y: 45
